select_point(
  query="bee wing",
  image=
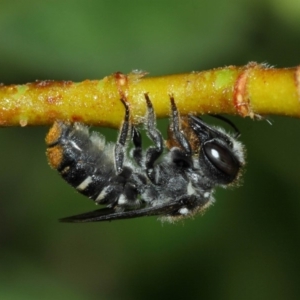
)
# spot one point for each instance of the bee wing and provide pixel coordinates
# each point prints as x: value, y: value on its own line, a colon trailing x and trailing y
x: 109, y: 214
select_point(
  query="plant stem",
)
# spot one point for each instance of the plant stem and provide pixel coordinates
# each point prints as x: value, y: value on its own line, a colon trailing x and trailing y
x: 246, y: 91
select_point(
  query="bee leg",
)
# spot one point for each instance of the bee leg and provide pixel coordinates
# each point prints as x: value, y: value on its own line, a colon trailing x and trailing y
x: 120, y: 144
x: 180, y: 137
x: 155, y: 151
x: 137, y: 142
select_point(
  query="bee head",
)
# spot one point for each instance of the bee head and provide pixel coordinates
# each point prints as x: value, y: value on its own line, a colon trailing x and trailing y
x: 221, y: 156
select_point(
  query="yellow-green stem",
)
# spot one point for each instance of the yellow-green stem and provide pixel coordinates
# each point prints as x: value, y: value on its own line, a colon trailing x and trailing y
x: 247, y: 91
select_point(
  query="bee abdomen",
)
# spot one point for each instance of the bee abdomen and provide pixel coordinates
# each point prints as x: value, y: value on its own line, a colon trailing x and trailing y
x: 83, y: 160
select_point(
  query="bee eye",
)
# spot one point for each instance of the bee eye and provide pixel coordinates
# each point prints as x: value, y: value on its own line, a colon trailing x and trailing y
x: 221, y: 158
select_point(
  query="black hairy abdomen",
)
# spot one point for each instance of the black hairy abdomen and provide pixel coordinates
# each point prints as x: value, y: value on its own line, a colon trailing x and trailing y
x: 82, y: 158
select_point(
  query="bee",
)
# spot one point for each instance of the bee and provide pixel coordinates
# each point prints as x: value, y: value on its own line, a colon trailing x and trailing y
x: 172, y: 179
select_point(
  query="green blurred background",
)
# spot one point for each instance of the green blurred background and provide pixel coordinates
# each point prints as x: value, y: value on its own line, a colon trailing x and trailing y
x: 245, y: 247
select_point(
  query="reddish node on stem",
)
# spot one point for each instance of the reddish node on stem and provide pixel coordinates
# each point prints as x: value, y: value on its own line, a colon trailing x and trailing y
x: 121, y: 81
x: 297, y: 80
x: 240, y: 96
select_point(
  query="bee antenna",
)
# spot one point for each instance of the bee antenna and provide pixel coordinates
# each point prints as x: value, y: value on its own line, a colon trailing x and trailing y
x: 224, y: 119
